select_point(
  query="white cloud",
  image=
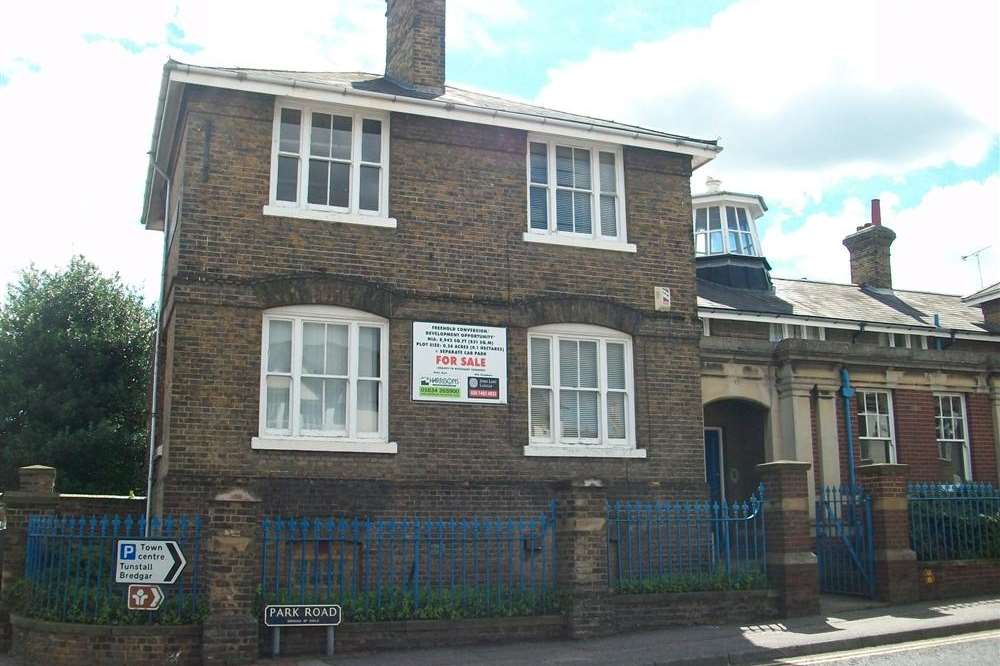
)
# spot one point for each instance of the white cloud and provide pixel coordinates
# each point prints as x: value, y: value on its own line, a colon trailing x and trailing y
x: 805, y: 94
x: 947, y: 223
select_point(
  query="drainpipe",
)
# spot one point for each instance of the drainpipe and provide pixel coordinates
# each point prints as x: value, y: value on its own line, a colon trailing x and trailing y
x: 153, y: 411
x: 937, y: 324
x: 847, y: 393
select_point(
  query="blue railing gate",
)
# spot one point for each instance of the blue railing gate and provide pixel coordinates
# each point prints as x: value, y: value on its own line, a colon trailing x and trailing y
x: 844, y: 547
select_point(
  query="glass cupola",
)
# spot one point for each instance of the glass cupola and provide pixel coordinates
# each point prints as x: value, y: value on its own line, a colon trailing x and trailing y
x: 726, y: 246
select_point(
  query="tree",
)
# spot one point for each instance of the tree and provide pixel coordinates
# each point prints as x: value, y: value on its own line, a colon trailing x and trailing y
x: 75, y: 356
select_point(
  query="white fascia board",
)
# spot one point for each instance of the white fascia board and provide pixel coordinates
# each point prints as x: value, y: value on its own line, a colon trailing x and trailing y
x: 332, y: 93
x: 706, y: 313
x: 751, y: 202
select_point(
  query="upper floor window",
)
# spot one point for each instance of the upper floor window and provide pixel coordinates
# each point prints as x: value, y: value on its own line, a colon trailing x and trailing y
x: 575, y: 193
x: 580, y: 399
x: 877, y: 438
x: 952, y: 436
x: 902, y: 340
x: 733, y: 235
x: 781, y: 332
x: 330, y: 163
x: 323, y: 380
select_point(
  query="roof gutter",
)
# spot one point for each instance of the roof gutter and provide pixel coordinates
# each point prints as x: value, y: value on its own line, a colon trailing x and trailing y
x: 706, y: 150
x: 845, y: 324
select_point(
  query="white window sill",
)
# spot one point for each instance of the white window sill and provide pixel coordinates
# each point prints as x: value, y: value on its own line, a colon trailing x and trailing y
x: 570, y: 241
x: 582, y: 451
x: 329, y: 216
x: 333, y: 445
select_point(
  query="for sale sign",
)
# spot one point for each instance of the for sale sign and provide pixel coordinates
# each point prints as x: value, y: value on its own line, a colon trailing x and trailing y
x: 459, y: 363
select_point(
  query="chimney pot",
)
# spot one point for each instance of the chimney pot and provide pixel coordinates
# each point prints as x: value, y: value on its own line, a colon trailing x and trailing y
x: 876, y: 213
x: 713, y: 185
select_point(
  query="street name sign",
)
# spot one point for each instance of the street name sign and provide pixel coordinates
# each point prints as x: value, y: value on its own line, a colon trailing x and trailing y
x: 148, y: 561
x: 313, y: 615
x: 144, y: 597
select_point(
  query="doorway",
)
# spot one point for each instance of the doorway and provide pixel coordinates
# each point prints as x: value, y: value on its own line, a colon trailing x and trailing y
x: 714, y: 453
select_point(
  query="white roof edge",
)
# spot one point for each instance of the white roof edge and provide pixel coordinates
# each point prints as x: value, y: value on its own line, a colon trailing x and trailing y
x: 851, y: 325
x: 331, y: 92
x: 985, y: 295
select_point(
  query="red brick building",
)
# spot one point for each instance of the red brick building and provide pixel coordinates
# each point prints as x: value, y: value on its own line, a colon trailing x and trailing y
x: 334, y: 239
x: 925, y: 366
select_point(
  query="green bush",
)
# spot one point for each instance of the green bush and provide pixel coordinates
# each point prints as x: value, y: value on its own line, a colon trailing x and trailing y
x: 750, y: 579
x: 395, y: 603
x: 88, y: 604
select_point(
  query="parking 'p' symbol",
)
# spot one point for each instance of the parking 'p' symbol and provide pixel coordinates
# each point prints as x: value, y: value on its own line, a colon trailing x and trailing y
x: 126, y: 551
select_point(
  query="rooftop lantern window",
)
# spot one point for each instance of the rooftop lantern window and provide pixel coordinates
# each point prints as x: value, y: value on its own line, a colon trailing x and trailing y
x: 724, y: 222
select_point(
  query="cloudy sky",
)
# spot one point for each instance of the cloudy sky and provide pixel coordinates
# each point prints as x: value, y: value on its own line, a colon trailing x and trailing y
x: 820, y: 105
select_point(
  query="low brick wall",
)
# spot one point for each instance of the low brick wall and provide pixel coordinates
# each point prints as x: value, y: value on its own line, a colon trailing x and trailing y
x: 64, y: 644
x: 378, y: 636
x: 637, y: 612
x: 958, y: 578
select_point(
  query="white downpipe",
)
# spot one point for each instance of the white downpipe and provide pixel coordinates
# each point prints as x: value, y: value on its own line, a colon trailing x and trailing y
x: 153, y: 411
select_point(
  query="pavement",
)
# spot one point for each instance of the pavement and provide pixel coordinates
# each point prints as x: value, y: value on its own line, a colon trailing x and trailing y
x: 840, y: 627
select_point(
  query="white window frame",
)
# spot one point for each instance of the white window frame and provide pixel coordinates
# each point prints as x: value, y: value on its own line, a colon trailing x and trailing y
x: 603, y: 447
x: 551, y: 234
x: 724, y: 220
x: 350, y: 441
x: 781, y: 332
x: 862, y: 411
x: 301, y: 208
x: 964, y: 441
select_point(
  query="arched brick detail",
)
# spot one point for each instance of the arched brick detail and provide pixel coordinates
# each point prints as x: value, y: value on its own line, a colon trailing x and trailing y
x: 325, y: 290
x: 578, y: 311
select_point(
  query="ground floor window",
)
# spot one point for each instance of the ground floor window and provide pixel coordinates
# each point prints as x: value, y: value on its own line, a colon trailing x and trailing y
x: 580, y: 387
x: 323, y: 374
x: 877, y: 438
x: 952, y: 434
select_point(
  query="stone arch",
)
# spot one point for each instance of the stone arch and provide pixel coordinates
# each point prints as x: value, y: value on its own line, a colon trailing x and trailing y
x: 325, y: 290
x: 565, y: 310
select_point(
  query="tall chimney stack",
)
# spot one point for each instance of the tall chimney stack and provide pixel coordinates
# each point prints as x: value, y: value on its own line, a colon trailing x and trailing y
x: 414, y: 44
x: 869, y: 248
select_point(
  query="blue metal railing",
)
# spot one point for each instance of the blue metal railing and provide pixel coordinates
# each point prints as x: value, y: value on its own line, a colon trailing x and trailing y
x: 680, y: 545
x: 402, y: 568
x: 70, y: 569
x: 845, y: 547
x: 954, y: 522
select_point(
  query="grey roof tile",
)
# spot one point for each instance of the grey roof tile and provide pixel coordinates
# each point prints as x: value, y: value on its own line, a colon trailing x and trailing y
x: 825, y: 300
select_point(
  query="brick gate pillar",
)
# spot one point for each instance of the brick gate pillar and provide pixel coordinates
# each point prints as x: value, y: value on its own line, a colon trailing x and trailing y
x: 791, y: 563
x: 582, y: 557
x: 895, y: 561
x: 36, y: 494
x: 232, y: 575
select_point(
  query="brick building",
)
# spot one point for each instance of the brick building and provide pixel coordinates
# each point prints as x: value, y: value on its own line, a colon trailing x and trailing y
x: 774, y: 352
x: 333, y: 239
x: 385, y: 294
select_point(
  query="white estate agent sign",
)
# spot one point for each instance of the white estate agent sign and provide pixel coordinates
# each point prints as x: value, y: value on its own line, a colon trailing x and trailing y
x: 459, y: 363
x: 148, y: 561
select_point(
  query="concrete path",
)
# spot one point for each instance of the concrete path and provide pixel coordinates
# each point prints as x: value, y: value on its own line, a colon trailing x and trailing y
x: 704, y: 645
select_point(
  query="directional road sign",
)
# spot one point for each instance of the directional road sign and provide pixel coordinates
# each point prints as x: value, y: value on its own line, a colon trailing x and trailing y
x: 144, y: 597
x: 148, y: 561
